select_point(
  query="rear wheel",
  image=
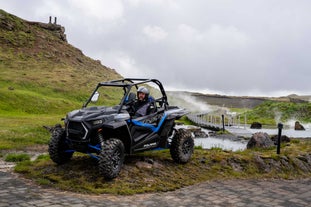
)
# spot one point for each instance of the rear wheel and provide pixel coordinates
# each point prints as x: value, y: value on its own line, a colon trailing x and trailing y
x: 182, y: 146
x: 58, y: 147
x: 111, y: 158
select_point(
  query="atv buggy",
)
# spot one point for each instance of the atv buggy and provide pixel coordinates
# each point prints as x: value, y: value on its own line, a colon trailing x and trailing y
x: 107, y: 133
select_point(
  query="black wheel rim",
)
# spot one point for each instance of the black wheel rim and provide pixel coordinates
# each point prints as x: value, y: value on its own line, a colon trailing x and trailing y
x: 116, y: 158
x: 187, y: 147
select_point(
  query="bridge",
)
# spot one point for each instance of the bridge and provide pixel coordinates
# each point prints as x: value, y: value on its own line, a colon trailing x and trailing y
x: 218, y: 121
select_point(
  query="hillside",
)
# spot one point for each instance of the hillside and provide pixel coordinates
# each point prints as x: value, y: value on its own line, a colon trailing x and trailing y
x: 37, y: 63
x: 42, y: 77
x: 266, y: 110
x: 237, y: 101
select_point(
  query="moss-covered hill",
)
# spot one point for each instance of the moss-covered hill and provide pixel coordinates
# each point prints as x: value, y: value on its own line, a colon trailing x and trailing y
x: 40, y: 72
x: 42, y: 77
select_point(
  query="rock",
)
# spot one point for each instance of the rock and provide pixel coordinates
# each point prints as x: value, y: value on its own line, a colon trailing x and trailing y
x: 298, y: 126
x: 301, y: 165
x: 197, y: 132
x: 212, y: 133
x: 143, y: 165
x: 200, y: 134
x: 260, y: 140
x: 285, y: 162
x: 157, y: 165
x: 256, y: 125
x: 261, y: 164
x: 56, y: 29
x: 236, y: 164
x: 284, y: 138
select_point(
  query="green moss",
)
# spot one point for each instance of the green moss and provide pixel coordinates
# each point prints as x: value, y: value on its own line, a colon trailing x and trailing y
x: 17, y: 157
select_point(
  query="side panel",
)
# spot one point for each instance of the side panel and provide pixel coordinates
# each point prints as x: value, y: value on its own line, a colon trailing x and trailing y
x: 146, y: 141
x: 121, y: 132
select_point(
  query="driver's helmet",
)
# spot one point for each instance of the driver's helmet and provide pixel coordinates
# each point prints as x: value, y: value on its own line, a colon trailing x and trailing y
x: 143, y: 89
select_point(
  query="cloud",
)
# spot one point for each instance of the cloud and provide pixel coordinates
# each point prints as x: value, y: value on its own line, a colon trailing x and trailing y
x: 238, y: 47
x: 102, y: 10
x: 155, y: 33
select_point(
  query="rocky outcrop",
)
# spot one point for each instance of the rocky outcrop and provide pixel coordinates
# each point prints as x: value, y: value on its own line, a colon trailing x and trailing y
x: 259, y: 140
x: 11, y: 23
x: 300, y: 164
x: 56, y: 29
x: 284, y: 164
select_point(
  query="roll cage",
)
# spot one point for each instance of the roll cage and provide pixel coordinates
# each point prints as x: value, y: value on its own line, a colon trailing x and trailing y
x: 127, y: 84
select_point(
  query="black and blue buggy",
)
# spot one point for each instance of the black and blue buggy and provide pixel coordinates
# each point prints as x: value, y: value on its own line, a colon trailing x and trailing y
x: 108, y: 133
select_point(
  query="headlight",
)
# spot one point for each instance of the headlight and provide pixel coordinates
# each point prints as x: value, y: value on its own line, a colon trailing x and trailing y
x: 96, y: 122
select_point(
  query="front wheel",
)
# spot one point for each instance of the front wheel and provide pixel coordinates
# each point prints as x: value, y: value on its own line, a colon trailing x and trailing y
x: 111, y: 158
x: 182, y: 146
x: 58, y: 147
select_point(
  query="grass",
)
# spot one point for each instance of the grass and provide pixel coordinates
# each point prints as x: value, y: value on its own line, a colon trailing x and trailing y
x: 17, y: 157
x: 18, y: 132
x: 271, y: 112
x: 37, y: 91
x: 162, y: 174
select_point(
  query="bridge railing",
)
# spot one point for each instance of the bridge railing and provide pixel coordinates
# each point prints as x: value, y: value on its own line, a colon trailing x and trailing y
x: 215, y: 121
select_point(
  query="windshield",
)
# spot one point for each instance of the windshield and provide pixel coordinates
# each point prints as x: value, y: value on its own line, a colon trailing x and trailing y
x: 108, y: 96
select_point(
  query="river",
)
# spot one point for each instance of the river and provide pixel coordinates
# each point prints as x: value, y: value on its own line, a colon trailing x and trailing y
x: 235, y: 145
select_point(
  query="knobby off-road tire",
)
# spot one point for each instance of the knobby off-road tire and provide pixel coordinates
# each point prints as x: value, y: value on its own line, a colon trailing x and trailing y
x: 182, y: 146
x: 57, y: 147
x: 111, y: 158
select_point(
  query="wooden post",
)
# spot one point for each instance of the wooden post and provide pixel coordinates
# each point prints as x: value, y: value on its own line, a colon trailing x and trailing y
x: 278, y: 149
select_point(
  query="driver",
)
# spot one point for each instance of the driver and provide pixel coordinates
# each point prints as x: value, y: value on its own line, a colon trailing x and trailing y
x: 142, y: 105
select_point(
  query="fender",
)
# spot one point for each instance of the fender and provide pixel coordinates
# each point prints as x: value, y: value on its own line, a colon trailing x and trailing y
x: 120, y: 130
x: 176, y: 113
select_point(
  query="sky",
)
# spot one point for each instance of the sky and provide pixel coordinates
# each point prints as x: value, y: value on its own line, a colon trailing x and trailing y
x: 228, y: 47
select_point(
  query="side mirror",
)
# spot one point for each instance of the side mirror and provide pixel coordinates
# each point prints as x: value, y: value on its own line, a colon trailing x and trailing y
x: 95, y: 97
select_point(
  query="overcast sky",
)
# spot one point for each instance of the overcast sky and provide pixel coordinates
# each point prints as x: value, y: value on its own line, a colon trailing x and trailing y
x: 229, y: 47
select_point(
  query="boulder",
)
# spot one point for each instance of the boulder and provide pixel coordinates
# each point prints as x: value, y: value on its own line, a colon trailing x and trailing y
x: 143, y: 165
x: 260, y: 140
x: 284, y: 138
x: 256, y: 125
x: 200, y: 134
x: 197, y: 132
x: 298, y: 126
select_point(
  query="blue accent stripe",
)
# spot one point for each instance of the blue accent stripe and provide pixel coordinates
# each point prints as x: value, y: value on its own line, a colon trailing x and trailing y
x: 93, y: 156
x: 159, y: 148
x: 142, y: 124
x: 161, y: 122
x: 96, y: 147
x: 150, y: 126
